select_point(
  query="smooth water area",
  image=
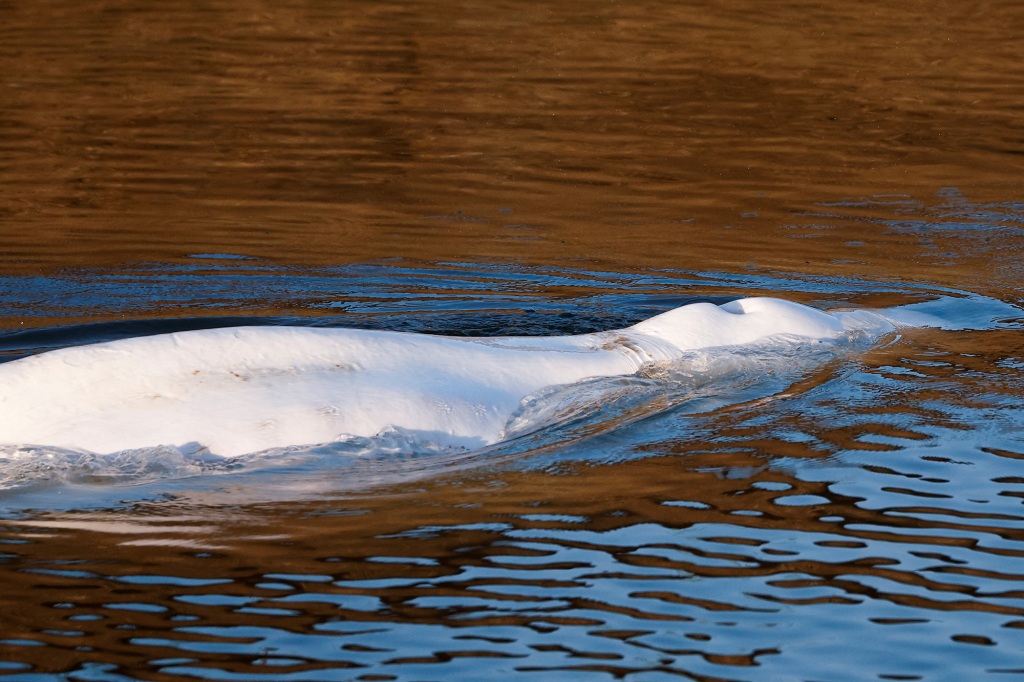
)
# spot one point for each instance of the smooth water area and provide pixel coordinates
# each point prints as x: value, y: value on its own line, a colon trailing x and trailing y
x: 841, y: 511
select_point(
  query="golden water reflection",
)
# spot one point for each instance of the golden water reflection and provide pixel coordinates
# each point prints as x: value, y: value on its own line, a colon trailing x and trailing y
x: 658, y: 134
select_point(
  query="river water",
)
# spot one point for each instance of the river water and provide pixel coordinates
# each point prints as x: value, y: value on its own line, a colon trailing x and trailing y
x: 837, y: 513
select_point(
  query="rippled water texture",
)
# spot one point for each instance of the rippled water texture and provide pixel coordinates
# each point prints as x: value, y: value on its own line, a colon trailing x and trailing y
x: 830, y: 513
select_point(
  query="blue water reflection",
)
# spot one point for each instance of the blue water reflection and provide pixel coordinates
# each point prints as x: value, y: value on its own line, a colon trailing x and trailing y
x: 749, y: 527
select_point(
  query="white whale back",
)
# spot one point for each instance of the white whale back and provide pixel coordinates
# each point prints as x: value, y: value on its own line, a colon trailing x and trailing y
x: 247, y: 389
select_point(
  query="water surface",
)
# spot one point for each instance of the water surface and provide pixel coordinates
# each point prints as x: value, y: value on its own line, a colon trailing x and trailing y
x: 544, y: 168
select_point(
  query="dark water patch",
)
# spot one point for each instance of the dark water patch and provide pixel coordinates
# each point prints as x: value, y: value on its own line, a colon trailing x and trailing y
x: 17, y: 343
x: 448, y: 298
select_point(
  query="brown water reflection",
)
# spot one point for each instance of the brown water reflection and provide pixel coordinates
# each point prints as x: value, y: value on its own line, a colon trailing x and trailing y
x: 637, y: 135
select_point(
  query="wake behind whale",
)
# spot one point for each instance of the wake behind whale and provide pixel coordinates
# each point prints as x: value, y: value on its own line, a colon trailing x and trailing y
x: 235, y: 391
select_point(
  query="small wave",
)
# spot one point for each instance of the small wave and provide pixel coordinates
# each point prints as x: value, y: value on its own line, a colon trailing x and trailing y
x: 29, y: 467
x: 700, y: 382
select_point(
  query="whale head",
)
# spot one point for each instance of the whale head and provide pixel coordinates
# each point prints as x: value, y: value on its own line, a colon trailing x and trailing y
x: 705, y: 325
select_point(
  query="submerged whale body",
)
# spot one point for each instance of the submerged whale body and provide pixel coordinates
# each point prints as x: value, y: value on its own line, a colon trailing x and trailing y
x: 241, y: 390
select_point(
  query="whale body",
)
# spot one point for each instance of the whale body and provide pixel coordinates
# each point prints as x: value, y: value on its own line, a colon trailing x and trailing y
x: 242, y: 390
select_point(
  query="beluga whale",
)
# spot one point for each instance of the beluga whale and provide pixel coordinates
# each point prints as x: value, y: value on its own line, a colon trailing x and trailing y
x: 241, y: 390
